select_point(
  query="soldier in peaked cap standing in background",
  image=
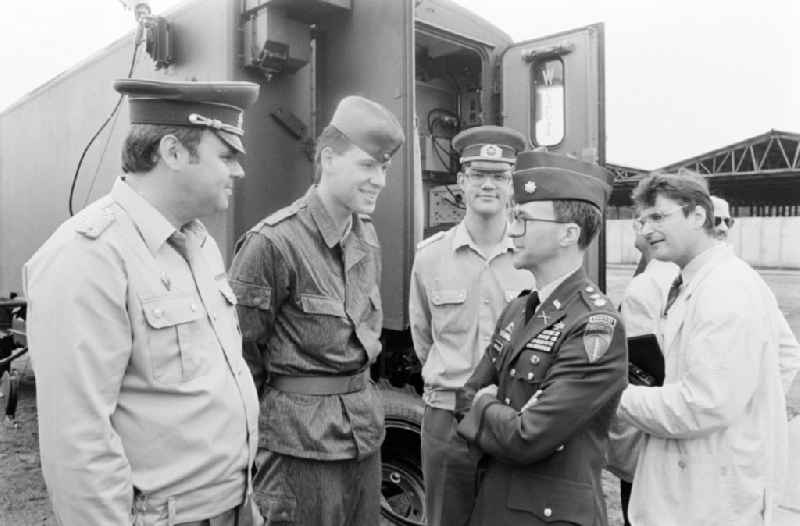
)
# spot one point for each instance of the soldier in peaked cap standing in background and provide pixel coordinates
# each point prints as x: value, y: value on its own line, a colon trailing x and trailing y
x: 307, y: 279
x: 147, y: 415
x: 540, y: 401
x: 461, y: 281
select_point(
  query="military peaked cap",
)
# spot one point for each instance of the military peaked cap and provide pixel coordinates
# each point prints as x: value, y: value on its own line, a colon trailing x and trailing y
x: 489, y: 143
x: 217, y: 106
x: 545, y: 176
x: 369, y: 126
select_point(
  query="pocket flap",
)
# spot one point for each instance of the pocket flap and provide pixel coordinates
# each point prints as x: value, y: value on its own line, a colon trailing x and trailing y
x: 448, y: 297
x: 315, y: 304
x: 166, y: 311
x: 551, y: 499
x: 250, y: 295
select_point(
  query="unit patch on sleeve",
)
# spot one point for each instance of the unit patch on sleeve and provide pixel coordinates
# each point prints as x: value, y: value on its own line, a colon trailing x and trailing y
x: 597, y: 335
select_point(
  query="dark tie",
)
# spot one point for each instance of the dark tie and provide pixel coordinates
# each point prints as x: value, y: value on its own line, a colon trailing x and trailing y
x: 180, y: 242
x: 674, y: 290
x: 530, y: 306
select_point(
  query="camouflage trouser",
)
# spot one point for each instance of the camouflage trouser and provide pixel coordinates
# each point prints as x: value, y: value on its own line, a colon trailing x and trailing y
x: 298, y: 491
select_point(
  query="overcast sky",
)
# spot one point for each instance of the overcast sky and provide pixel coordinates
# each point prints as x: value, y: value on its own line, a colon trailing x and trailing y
x: 682, y: 76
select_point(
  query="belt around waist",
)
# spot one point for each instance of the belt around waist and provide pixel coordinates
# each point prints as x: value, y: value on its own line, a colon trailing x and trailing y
x: 320, y: 385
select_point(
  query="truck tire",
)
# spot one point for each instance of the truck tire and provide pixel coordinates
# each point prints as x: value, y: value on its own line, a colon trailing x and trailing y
x: 402, y: 486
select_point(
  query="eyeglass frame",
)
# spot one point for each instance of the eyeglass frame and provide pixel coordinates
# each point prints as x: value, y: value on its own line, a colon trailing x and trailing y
x: 729, y: 221
x: 515, y: 216
x: 654, y: 218
x: 479, y: 176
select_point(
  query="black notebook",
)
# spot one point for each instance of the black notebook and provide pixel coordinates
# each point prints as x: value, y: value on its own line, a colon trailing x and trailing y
x: 645, y: 361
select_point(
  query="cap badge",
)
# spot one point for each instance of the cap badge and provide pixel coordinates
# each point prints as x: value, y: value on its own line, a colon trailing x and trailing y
x: 492, y: 151
x: 530, y: 187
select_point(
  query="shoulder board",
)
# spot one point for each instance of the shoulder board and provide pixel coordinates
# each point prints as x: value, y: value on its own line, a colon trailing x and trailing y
x: 429, y: 240
x: 94, y: 222
x: 282, y: 214
x: 595, y: 299
x: 524, y: 293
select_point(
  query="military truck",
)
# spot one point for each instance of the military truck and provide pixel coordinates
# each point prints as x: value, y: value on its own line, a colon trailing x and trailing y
x: 437, y: 66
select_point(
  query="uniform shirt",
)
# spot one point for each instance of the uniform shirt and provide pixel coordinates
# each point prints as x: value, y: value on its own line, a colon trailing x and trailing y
x: 646, y: 296
x: 309, y: 305
x: 457, y: 293
x: 559, y: 378
x: 716, y: 431
x: 142, y: 387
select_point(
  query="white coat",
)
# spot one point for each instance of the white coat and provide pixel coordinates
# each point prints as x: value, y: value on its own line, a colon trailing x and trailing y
x: 716, y: 435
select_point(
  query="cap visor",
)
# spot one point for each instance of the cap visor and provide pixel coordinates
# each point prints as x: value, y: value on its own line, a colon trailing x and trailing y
x: 232, y: 140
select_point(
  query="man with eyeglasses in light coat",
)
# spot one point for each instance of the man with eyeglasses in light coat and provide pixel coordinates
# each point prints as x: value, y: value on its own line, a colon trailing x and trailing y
x: 461, y: 281
x: 715, y: 433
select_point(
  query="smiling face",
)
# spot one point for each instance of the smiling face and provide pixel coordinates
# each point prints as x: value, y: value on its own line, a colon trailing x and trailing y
x: 353, y: 179
x: 672, y: 232
x: 204, y: 183
x: 536, y: 233
x: 487, y: 188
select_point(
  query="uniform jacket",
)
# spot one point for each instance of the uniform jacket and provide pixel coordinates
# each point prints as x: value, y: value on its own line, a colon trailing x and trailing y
x: 715, y: 445
x: 456, y: 295
x: 544, y: 462
x: 145, y: 403
x: 309, y: 305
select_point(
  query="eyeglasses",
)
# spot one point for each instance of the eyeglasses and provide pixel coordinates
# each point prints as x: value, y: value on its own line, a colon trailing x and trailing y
x: 727, y: 220
x: 519, y: 217
x: 475, y: 176
x: 654, y: 218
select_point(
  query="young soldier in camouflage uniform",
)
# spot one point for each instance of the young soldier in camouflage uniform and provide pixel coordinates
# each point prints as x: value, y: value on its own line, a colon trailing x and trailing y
x: 307, y: 280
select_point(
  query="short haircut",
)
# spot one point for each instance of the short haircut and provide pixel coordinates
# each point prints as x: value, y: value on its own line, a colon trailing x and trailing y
x: 329, y: 138
x: 685, y: 187
x: 585, y: 215
x: 140, y: 151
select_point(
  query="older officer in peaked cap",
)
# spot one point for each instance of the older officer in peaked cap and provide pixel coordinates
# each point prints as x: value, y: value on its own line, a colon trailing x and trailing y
x: 147, y: 415
x: 540, y: 401
x: 461, y: 281
x: 307, y: 279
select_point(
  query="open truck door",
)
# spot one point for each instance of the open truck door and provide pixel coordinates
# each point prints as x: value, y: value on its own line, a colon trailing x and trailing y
x: 553, y: 91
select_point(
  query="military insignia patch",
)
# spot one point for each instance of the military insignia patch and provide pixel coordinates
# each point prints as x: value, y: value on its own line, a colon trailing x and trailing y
x: 530, y: 187
x: 506, y: 333
x: 597, y: 335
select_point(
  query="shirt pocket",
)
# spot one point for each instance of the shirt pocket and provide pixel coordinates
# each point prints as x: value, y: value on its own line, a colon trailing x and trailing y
x: 177, y: 337
x: 447, y: 310
x: 322, y: 305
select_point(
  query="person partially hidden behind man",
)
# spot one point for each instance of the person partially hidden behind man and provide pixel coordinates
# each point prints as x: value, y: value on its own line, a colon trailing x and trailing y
x: 147, y: 415
x: 539, y: 403
x: 307, y: 280
x: 461, y: 281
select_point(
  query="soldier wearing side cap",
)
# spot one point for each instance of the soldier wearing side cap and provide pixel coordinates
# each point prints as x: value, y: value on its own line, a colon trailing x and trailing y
x: 461, y: 280
x: 147, y: 415
x: 540, y: 401
x: 307, y: 280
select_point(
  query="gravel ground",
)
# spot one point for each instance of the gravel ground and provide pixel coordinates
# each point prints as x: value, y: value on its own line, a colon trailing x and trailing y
x: 23, y: 498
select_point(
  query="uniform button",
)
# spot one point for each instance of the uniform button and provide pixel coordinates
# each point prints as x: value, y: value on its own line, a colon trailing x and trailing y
x: 494, y: 360
x: 560, y: 447
x: 530, y: 376
x: 535, y: 359
x: 485, y: 301
x: 157, y: 313
x: 508, y: 401
x: 512, y: 372
x: 548, y: 512
x: 589, y: 289
x: 193, y: 307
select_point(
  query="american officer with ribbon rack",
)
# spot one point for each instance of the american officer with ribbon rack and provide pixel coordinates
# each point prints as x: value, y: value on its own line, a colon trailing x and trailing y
x: 540, y: 401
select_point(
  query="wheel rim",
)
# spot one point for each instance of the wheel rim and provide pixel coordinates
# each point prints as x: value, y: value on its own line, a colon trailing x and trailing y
x: 403, y: 493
